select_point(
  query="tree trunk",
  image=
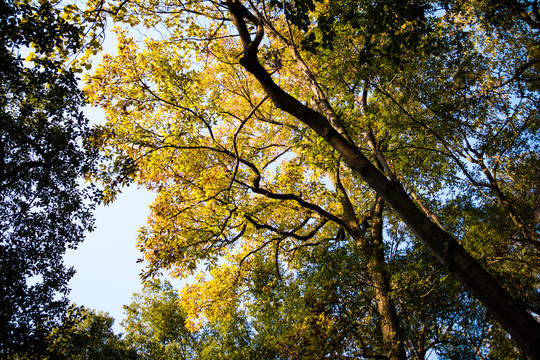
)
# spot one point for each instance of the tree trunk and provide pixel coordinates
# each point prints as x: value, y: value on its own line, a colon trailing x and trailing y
x: 392, y: 335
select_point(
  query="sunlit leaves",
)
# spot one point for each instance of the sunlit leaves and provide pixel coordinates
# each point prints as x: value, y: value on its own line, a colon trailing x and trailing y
x: 206, y: 141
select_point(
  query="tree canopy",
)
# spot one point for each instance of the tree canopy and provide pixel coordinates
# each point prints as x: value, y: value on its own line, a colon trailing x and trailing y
x: 44, y: 208
x: 406, y: 133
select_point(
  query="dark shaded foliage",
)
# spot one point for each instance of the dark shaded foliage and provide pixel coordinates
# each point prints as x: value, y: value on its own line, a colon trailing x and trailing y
x: 44, y: 208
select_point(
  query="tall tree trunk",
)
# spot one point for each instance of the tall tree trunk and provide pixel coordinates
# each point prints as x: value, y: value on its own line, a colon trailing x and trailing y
x: 392, y: 335
x: 372, y: 250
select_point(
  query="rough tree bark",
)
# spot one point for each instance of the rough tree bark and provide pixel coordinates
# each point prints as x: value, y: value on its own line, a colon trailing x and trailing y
x: 372, y: 250
x: 392, y: 335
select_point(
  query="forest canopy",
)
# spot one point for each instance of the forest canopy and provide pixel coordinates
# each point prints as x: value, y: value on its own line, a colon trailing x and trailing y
x: 358, y: 178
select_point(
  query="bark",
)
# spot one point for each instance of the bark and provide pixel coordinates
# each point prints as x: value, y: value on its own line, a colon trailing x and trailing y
x: 392, y: 335
x: 374, y: 253
x: 511, y: 313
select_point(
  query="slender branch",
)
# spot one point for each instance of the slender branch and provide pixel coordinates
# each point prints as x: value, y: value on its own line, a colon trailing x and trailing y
x: 292, y: 234
x: 236, y: 137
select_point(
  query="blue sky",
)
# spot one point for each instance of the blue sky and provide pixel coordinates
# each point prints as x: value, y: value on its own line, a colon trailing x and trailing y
x: 107, y: 271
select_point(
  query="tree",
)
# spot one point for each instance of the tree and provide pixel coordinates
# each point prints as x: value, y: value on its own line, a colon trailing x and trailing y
x: 325, y: 309
x: 361, y: 111
x: 44, y: 208
x: 87, y: 334
x: 155, y: 325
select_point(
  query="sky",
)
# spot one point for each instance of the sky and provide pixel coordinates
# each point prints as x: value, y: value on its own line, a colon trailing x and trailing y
x: 106, y: 261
